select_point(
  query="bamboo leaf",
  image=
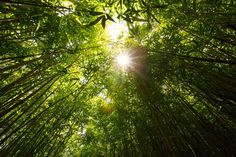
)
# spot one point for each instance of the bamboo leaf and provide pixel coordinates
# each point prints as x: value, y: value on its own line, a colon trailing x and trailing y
x: 95, y: 13
x: 110, y: 18
x: 138, y: 19
x: 104, y: 22
x: 111, y: 2
x: 126, y: 19
x: 95, y: 21
x: 143, y: 2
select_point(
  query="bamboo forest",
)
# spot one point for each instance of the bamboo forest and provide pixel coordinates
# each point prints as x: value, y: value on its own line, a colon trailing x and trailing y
x: 117, y: 78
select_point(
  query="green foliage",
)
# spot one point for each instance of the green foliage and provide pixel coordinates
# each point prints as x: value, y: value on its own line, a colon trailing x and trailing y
x: 61, y: 94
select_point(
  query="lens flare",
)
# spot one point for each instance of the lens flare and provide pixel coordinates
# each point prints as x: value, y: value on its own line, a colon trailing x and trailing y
x: 123, y: 60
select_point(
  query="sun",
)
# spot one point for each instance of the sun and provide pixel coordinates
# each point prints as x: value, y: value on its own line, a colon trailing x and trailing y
x: 124, y: 60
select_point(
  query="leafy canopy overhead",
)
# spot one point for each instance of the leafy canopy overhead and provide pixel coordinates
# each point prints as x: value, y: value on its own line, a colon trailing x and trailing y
x: 117, y: 78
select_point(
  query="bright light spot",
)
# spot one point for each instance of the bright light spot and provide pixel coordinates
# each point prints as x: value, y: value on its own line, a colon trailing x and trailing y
x: 123, y: 60
x: 67, y: 4
x: 83, y: 80
x: 103, y: 95
x: 116, y: 29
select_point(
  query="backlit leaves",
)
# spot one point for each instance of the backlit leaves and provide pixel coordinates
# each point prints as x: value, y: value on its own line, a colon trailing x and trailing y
x: 62, y: 95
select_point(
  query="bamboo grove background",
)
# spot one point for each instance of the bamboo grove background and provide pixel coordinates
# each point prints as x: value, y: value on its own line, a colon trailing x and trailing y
x: 60, y: 95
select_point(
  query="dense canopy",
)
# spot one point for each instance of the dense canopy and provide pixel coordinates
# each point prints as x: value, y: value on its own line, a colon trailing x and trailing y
x: 113, y: 78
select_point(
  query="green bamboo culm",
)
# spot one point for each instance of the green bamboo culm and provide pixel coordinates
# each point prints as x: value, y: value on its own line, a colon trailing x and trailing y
x: 63, y: 94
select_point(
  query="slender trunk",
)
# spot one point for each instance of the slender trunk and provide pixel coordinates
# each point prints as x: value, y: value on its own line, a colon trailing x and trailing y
x: 23, y: 100
x: 18, y: 19
x: 233, y: 62
x: 21, y: 57
x: 205, y: 40
x: 24, y: 63
x: 26, y: 4
x: 30, y: 106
